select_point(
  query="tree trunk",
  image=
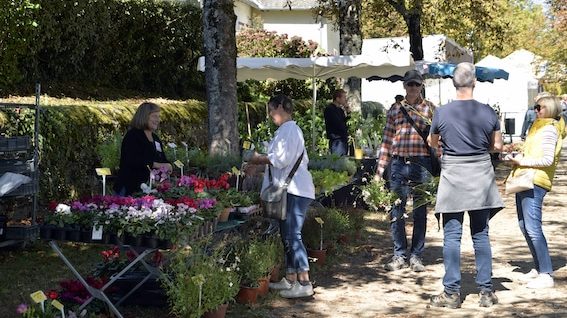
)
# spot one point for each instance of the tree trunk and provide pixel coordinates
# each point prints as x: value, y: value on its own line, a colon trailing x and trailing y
x: 220, y: 75
x: 413, y: 21
x: 351, y: 44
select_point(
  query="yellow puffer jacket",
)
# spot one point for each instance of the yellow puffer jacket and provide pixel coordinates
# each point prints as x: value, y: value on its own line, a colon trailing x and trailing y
x: 532, y: 149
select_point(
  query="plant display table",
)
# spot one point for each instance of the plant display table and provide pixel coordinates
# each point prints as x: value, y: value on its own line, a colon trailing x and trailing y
x: 100, y: 293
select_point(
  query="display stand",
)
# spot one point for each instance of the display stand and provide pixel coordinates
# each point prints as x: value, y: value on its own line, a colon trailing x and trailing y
x: 100, y: 293
x: 19, y: 155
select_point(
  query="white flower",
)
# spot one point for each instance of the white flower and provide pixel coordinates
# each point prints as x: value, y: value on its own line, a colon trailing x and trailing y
x: 364, y: 179
x: 63, y: 209
x: 398, y: 201
x: 228, y: 269
x: 230, y: 284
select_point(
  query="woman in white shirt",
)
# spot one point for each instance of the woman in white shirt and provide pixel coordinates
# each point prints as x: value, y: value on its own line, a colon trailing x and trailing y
x: 284, y: 150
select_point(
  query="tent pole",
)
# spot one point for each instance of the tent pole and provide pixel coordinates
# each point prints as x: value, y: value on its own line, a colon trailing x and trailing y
x: 313, y: 114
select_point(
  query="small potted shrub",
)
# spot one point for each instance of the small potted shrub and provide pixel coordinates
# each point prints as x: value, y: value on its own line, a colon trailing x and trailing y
x: 254, y: 266
x: 201, y: 284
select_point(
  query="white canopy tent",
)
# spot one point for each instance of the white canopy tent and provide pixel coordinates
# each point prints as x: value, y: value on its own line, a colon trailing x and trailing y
x: 324, y: 67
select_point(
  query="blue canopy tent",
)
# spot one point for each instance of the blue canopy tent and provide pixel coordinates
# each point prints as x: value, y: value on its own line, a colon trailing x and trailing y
x: 445, y: 70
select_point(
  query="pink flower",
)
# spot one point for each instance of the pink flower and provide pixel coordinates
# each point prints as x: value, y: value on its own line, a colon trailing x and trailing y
x: 22, y: 309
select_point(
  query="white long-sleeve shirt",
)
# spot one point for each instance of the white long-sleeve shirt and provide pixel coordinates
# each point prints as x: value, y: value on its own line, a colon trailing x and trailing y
x: 549, y: 137
x: 283, y: 151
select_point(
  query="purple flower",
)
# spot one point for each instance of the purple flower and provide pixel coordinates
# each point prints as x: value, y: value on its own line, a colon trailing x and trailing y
x: 22, y: 308
x: 207, y: 203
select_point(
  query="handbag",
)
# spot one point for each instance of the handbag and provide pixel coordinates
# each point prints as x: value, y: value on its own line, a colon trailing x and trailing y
x: 435, y: 163
x: 274, y: 197
x: 518, y: 181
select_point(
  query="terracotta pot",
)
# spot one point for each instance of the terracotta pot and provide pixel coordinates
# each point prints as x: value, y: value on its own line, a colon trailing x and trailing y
x: 263, y: 286
x: 223, y: 217
x: 247, y: 295
x: 220, y: 312
x: 275, y: 274
x: 320, y: 255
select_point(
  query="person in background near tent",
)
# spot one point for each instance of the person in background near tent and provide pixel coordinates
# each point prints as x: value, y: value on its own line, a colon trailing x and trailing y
x: 410, y: 165
x: 530, y: 116
x: 141, y: 150
x: 541, y: 154
x: 336, y: 123
x: 469, y: 131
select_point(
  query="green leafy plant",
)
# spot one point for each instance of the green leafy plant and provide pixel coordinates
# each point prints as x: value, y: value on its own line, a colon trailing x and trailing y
x: 333, y: 162
x: 200, y: 281
x: 256, y: 261
x: 377, y: 196
x: 109, y: 151
x: 326, y: 181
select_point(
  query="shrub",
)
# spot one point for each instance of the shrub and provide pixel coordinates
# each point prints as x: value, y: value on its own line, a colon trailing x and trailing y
x: 148, y: 46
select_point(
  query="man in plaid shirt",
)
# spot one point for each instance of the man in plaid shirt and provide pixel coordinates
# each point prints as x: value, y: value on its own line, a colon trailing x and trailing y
x: 404, y: 152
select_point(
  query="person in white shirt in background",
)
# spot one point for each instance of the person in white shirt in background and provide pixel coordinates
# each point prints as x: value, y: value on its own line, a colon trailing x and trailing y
x: 283, y: 151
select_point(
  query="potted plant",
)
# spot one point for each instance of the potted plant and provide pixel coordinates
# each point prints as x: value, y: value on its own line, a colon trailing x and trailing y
x: 200, y: 283
x: 313, y: 236
x: 254, y: 266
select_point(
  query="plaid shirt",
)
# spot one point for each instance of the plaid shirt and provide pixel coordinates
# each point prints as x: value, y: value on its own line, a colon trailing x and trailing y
x: 399, y: 137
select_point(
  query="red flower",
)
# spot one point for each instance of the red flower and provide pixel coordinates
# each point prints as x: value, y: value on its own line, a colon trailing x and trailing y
x: 52, y: 205
x: 52, y: 294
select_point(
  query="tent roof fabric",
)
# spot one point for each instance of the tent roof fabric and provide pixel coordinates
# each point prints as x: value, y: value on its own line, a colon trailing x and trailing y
x: 259, y: 68
x: 283, y: 5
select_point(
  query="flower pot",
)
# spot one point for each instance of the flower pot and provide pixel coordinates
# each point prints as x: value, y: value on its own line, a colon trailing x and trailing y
x: 358, y: 153
x: 86, y: 236
x: 247, y: 295
x: 220, y: 312
x: 149, y: 241
x: 73, y: 234
x: 320, y: 255
x: 46, y: 231
x: 263, y: 286
x: 132, y: 240
x: 58, y: 233
x: 223, y: 216
x: 275, y: 274
x: 165, y: 244
x: 116, y: 239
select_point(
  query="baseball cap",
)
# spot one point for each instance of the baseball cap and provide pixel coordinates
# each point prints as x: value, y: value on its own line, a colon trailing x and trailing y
x: 413, y: 76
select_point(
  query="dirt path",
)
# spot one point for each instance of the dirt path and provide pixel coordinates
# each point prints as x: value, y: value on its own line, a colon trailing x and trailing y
x: 360, y: 287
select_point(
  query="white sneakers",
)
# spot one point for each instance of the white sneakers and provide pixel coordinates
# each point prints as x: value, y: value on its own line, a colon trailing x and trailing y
x: 529, y: 275
x: 541, y: 281
x: 297, y: 291
x: 283, y: 284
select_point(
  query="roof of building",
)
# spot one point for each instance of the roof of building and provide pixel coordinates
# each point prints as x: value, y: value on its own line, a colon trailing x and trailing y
x: 283, y: 4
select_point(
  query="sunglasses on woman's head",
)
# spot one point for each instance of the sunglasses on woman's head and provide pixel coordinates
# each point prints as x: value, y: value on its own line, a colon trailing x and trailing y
x: 538, y: 107
x: 414, y: 84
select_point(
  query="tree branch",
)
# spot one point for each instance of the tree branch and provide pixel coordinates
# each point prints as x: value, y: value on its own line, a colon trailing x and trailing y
x: 399, y: 5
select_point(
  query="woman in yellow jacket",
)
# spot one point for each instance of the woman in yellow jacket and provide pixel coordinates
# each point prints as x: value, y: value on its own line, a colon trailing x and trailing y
x: 541, y: 153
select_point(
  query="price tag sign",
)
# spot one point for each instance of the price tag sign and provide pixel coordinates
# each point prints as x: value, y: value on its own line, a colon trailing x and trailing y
x: 103, y: 171
x: 38, y: 296
x: 319, y: 220
x: 178, y: 164
x: 246, y: 144
x: 97, y: 233
x: 55, y: 303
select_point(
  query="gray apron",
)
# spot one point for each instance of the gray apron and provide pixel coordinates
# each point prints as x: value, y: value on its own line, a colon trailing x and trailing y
x: 467, y: 183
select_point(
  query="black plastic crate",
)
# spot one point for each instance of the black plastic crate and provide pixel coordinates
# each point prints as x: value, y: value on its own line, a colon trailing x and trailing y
x: 12, y: 144
x: 22, y: 232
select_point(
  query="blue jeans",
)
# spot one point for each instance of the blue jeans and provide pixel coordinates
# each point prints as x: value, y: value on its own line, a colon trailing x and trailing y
x: 453, y: 230
x: 403, y: 176
x: 528, y: 206
x: 290, y: 231
x: 338, y: 146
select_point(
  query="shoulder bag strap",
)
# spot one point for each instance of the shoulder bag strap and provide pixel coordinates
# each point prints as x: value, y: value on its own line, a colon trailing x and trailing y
x: 294, y: 169
x: 414, y: 125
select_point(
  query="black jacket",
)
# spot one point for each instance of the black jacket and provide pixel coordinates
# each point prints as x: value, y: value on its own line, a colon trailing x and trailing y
x: 335, y: 122
x: 136, y: 154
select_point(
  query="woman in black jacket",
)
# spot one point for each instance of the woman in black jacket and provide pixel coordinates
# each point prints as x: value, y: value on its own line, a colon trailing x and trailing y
x: 141, y: 150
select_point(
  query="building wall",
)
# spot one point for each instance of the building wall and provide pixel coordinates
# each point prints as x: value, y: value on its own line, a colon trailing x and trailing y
x: 243, y: 15
x: 301, y: 23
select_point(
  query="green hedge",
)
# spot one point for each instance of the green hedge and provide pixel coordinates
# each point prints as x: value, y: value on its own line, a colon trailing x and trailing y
x: 71, y: 130
x: 80, y: 48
